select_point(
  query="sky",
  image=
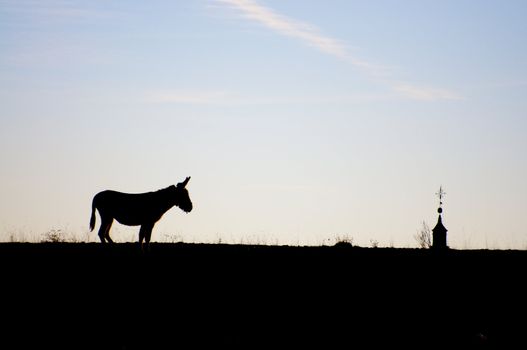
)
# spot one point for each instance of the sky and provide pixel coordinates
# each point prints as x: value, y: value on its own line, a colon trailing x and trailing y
x: 299, y: 122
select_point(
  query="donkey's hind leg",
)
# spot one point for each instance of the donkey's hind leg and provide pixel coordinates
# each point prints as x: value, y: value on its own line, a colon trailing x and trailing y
x: 104, y: 230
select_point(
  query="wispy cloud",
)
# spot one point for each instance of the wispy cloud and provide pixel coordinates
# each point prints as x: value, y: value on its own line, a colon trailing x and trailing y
x: 302, y: 31
x: 424, y: 93
x: 222, y: 97
x: 191, y: 97
x: 287, y: 26
x: 52, y: 10
x: 47, y: 35
x: 313, y: 37
x: 268, y: 187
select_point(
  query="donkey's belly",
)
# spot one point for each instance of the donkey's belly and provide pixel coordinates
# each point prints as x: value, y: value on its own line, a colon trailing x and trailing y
x: 129, y: 221
x: 137, y: 217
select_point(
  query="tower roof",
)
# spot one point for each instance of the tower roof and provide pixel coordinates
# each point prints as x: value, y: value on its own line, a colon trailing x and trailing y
x: 439, y: 227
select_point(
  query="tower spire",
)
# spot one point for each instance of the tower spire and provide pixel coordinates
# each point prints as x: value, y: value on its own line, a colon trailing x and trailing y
x: 439, y: 231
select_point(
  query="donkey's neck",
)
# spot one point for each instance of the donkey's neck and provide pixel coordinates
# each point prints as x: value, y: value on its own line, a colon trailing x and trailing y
x: 164, y: 200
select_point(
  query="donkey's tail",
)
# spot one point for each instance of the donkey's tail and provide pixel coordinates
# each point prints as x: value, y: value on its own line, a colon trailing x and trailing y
x: 92, y: 219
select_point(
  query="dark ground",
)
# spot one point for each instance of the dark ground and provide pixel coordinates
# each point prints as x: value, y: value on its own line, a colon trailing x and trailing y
x: 65, y: 295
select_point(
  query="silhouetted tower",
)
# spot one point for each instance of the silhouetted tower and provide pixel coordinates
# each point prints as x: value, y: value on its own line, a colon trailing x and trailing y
x: 439, y: 231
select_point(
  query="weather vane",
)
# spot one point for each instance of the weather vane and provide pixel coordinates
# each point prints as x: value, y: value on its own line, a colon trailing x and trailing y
x: 440, y: 194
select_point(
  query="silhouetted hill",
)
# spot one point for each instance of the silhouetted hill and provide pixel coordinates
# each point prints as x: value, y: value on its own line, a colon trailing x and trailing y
x: 88, y: 295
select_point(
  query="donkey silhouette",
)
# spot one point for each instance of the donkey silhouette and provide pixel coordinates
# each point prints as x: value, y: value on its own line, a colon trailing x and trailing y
x: 137, y: 209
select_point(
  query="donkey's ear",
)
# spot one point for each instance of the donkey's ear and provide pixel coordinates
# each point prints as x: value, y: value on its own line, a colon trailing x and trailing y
x: 184, y: 183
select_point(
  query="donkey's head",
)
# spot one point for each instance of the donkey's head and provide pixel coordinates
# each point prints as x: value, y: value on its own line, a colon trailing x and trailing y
x: 181, y: 197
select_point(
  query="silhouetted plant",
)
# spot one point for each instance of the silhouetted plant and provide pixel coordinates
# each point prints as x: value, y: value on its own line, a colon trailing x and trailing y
x: 14, y: 237
x: 17, y: 236
x: 344, y: 241
x: 374, y: 243
x: 252, y: 240
x: 424, y: 237
x: 54, y: 236
x: 173, y: 238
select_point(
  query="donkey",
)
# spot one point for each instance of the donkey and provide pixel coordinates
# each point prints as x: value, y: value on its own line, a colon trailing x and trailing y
x: 141, y: 209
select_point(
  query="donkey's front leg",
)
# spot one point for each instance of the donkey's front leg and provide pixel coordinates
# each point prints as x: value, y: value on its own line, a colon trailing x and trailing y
x: 144, y: 234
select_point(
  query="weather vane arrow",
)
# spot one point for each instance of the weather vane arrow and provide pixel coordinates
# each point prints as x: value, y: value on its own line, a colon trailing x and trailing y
x: 440, y: 194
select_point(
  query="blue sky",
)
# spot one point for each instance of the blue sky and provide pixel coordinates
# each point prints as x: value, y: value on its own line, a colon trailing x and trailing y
x: 298, y: 121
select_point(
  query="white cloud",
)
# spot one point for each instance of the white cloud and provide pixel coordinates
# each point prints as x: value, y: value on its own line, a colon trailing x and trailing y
x: 51, y: 10
x: 424, y: 93
x: 312, y: 36
x: 190, y: 97
x: 302, y: 31
x: 219, y: 97
x: 287, y: 26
